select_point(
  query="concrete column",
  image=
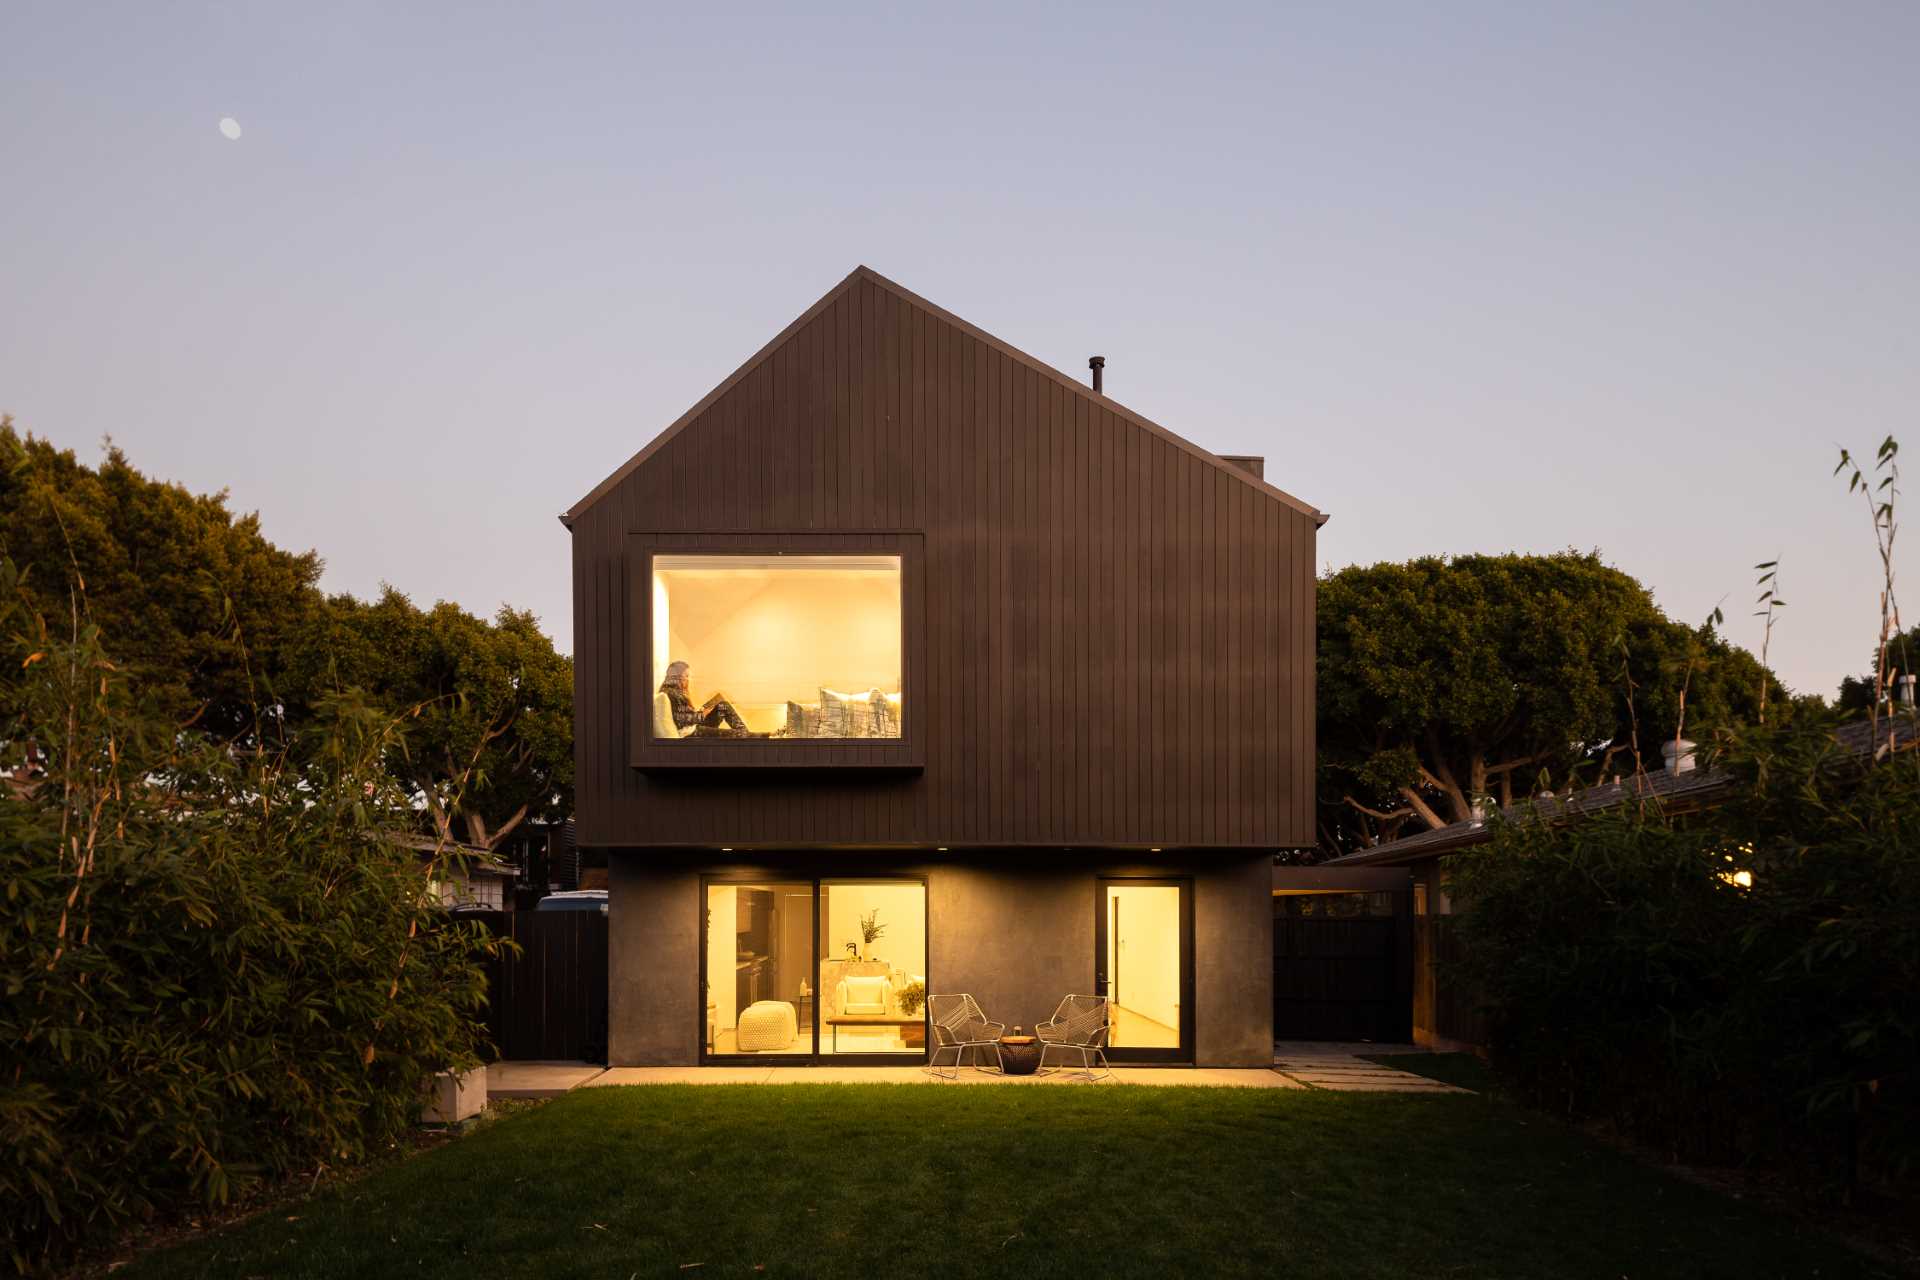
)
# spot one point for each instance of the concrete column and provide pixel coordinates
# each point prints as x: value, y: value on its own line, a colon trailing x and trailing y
x: 1233, y: 960
x: 653, y: 962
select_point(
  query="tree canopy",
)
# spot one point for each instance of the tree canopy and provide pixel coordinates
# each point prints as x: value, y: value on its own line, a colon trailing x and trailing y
x: 231, y: 636
x: 493, y: 698
x: 1903, y: 657
x: 1443, y: 682
x: 199, y: 602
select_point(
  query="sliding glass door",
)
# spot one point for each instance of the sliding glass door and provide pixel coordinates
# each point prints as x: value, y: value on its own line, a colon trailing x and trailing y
x: 759, y: 969
x: 811, y: 970
x: 873, y: 967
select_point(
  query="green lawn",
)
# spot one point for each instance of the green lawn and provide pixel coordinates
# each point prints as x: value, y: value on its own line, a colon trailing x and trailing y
x: 1462, y: 1069
x: 894, y: 1180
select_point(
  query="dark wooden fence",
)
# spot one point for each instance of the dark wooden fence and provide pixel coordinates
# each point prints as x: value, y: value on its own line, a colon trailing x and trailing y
x: 1348, y: 978
x: 550, y: 1000
x: 1456, y: 1007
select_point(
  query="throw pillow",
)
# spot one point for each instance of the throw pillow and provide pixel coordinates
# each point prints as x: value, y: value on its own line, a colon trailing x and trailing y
x: 805, y: 722
x: 847, y: 715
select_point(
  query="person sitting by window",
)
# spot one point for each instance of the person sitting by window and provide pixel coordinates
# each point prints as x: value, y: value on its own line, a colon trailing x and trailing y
x: 715, y: 713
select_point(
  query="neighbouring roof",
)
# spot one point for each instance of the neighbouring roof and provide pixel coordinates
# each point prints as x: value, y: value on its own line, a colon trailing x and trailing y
x: 1349, y: 879
x: 1693, y: 789
x: 860, y: 273
x: 480, y: 861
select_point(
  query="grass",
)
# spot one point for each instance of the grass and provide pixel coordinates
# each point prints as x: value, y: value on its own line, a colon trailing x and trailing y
x: 1462, y: 1069
x: 884, y: 1180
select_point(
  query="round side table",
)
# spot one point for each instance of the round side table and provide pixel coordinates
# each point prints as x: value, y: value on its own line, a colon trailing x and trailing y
x: 1019, y: 1055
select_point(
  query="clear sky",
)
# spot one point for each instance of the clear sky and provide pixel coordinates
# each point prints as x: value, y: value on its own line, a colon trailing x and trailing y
x: 1473, y: 277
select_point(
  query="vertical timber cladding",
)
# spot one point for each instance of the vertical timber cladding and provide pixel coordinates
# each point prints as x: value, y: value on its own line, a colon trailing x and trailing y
x: 1119, y: 626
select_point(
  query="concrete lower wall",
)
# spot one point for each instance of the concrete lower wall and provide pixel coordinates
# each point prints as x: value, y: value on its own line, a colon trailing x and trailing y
x: 653, y: 962
x: 1016, y: 930
x: 1233, y: 963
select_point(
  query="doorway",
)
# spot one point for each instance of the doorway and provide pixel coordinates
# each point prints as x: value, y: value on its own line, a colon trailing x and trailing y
x: 1143, y: 964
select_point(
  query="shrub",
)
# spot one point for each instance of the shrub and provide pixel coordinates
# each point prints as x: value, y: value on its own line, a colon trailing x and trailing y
x: 1632, y: 974
x: 216, y: 967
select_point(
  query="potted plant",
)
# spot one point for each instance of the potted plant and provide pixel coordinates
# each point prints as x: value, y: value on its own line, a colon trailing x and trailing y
x: 870, y: 931
x: 913, y: 997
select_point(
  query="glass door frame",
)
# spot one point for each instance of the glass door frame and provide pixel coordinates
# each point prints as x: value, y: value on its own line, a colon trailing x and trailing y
x: 814, y: 1057
x: 1183, y: 1054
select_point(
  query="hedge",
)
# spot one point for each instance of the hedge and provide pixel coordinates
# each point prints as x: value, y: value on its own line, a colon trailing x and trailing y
x: 217, y: 969
x: 1741, y: 984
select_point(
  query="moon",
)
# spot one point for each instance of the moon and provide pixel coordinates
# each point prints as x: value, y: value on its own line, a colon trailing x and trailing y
x: 230, y: 128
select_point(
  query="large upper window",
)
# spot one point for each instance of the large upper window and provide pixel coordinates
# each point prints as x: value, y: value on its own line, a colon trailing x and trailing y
x: 776, y: 646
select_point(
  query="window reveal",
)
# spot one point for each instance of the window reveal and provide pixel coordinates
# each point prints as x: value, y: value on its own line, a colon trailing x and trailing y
x: 777, y: 646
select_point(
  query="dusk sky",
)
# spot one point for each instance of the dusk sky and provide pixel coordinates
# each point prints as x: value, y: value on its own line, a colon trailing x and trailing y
x: 1471, y: 277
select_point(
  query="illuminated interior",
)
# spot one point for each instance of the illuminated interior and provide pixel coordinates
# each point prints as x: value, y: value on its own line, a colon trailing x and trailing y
x: 759, y: 941
x: 1143, y: 966
x: 777, y: 646
x: 765, y: 993
x: 875, y: 992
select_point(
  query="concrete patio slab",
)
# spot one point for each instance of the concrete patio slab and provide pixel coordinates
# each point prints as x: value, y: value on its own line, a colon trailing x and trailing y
x: 1339, y: 1067
x: 537, y: 1079
x: 1151, y: 1077
x: 1300, y: 1065
x: 681, y: 1075
x: 1340, y: 1048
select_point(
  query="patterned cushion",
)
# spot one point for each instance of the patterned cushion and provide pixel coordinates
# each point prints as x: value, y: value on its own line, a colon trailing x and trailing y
x: 848, y: 715
x: 872, y: 714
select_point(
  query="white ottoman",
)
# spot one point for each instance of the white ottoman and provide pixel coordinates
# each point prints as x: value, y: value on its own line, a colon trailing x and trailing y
x: 767, y: 1025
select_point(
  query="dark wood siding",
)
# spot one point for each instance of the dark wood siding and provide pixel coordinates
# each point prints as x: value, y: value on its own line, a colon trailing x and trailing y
x: 1118, y: 632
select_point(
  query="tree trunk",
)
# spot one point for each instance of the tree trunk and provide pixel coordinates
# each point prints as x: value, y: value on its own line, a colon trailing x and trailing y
x: 1433, y: 820
x: 507, y: 828
x: 1442, y: 777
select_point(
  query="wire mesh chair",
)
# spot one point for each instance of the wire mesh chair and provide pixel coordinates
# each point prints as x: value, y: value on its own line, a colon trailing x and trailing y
x: 959, y: 1025
x: 1080, y: 1025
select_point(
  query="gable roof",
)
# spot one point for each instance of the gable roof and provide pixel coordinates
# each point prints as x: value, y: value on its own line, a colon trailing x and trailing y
x: 860, y: 273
